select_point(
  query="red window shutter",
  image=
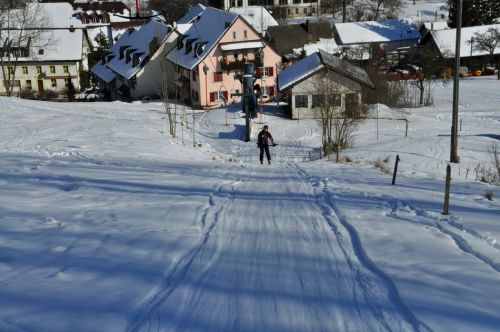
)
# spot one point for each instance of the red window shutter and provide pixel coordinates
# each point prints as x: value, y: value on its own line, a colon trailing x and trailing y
x: 224, y: 93
x: 212, y: 97
x: 258, y: 70
x: 215, y: 76
x: 270, y: 70
x: 271, y: 90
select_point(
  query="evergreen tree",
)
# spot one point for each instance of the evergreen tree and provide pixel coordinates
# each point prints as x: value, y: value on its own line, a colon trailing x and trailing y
x: 474, y: 12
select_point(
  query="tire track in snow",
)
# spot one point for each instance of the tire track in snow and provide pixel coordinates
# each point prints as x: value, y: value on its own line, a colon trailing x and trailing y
x: 147, y: 313
x: 459, y: 241
x: 447, y: 226
x: 335, y: 218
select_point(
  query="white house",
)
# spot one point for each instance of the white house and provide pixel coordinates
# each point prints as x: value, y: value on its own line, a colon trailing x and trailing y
x: 50, y: 58
x: 285, y: 8
x: 393, y: 37
x: 132, y: 67
x: 300, y: 82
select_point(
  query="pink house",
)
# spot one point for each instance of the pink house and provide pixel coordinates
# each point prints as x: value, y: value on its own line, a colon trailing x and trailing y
x: 211, y: 49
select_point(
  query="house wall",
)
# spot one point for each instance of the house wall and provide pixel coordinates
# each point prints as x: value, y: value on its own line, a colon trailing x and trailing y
x: 47, y: 79
x: 308, y: 88
x: 287, y: 9
x: 148, y: 79
x: 206, y: 84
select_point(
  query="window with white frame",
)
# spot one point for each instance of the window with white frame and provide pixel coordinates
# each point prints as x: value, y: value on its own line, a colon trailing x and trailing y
x: 38, y: 69
x: 25, y: 70
x: 234, y: 35
x: 66, y: 68
x: 52, y: 69
x: 28, y: 84
x: 53, y: 83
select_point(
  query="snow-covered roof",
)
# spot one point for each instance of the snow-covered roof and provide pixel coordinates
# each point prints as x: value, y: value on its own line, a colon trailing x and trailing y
x: 242, y: 45
x: 445, y: 40
x: 257, y: 16
x: 103, y: 72
x: 327, y: 44
x: 376, y: 31
x: 438, y: 25
x: 44, y: 15
x: 93, y: 32
x: 299, y: 71
x: 51, y: 45
x: 133, y: 43
x: 316, y: 62
x: 201, y: 37
x: 61, y: 15
x: 191, y: 14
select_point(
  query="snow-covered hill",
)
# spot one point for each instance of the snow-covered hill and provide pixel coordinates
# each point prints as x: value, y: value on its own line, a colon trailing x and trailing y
x: 108, y: 224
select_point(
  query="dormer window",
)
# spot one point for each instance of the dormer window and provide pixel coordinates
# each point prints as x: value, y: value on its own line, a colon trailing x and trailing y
x: 180, y: 43
x: 122, y: 51
x: 136, y: 60
x: 189, y: 45
x: 198, y: 48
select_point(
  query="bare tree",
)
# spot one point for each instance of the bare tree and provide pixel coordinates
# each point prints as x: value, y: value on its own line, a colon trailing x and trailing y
x: 489, y: 42
x: 428, y: 65
x: 167, y: 90
x: 338, y: 122
x: 22, y: 26
x: 172, y: 9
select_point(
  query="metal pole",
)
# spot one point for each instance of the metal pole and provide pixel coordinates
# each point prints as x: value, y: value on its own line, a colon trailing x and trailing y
x: 454, y: 158
x: 248, y: 80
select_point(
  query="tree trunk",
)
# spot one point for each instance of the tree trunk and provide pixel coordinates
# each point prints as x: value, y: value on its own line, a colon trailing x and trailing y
x: 344, y: 10
x: 421, y: 87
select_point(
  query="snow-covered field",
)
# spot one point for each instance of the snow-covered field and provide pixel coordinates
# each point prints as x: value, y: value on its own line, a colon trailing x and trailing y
x: 108, y: 224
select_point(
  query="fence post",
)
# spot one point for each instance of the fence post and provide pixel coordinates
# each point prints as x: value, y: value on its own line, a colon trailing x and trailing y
x: 406, y: 133
x: 395, y: 170
x: 460, y: 124
x: 320, y: 152
x: 447, y: 190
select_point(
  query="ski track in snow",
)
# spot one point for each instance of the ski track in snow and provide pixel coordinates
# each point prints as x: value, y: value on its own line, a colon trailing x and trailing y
x: 336, y: 219
x: 147, y: 313
x: 376, y: 300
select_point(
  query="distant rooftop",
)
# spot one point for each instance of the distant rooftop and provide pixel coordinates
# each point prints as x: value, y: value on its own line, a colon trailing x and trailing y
x: 375, y: 31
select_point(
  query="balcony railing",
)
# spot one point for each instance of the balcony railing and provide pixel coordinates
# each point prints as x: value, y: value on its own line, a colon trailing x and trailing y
x: 238, y: 65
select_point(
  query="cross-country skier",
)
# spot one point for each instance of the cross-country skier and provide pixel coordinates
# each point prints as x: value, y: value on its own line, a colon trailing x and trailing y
x: 263, y: 144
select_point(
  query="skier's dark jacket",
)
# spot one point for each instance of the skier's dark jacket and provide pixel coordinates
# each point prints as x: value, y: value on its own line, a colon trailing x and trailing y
x: 263, y: 138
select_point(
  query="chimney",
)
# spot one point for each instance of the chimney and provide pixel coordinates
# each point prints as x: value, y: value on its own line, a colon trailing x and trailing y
x: 71, y: 28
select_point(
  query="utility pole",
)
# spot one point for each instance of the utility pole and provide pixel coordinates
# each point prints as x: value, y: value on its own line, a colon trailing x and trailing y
x: 247, y: 80
x: 454, y: 158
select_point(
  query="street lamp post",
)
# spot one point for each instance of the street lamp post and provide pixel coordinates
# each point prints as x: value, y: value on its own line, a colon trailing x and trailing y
x: 205, y: 70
